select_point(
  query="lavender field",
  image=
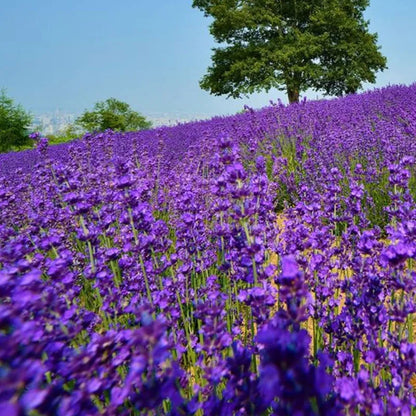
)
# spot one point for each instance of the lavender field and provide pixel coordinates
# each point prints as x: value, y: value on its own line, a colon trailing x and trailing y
x: 259, y: 264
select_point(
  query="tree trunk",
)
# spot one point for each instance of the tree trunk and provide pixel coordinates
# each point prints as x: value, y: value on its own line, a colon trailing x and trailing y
x: 293, y: 95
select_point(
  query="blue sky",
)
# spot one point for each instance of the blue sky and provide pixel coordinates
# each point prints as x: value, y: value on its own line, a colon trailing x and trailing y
x: 150, y: 53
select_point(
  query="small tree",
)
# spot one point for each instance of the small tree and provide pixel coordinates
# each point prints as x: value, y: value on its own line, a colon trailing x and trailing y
x: 112, y: 114
x: 14, y: 124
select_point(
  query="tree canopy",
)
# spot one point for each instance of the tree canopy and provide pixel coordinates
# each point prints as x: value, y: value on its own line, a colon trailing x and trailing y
x: 112, y: 114
x: 290, y: 45
x: 14, y: 124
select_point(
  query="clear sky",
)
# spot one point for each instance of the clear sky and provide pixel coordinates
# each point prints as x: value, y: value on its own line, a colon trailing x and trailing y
x: 68, y: 54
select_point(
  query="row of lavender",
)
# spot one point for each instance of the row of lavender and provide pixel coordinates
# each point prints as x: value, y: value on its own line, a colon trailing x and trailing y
x: 255, y: 264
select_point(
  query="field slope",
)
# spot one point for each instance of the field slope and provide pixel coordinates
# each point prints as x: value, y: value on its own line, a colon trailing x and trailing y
x: 257, y: 264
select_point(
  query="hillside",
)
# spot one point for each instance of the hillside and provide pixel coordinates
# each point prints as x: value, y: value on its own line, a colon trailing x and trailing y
x: 257, y: 264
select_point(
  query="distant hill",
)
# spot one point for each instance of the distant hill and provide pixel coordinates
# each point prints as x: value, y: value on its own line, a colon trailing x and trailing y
x: 52, y: 122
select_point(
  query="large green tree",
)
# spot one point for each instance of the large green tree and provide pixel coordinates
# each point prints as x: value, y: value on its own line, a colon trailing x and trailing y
x: 14, y: 124
x: 112, y: 114
x: 291, y: 45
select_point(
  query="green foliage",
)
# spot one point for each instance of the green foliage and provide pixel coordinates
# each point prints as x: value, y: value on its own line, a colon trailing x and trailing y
x: 69, y: 133
x: 14, y: 125
x: 377, y: 200
x: 112, y: 114
x: 58, y: 139
x: 291, y: 45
